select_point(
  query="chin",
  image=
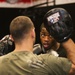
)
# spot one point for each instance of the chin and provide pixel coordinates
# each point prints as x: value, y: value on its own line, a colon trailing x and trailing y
x: 46, y: 48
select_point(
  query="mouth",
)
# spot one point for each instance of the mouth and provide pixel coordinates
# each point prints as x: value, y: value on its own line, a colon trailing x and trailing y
x: 46, y: 45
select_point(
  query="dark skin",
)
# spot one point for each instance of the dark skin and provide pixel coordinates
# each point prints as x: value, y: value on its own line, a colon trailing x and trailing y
x: 70, y: 48
x: 47, y: 40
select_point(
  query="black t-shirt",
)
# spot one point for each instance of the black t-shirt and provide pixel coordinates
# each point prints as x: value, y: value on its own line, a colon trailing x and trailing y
x: 62, y: 52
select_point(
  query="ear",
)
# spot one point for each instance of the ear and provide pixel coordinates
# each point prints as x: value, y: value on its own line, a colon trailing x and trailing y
x: 33, y: 33
x: 10, y: 37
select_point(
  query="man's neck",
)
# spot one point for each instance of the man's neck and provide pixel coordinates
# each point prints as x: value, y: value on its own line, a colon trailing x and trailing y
x: 24, y: 46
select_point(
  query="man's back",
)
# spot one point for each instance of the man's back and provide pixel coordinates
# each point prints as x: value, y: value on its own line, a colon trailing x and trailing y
x: 27, y: 63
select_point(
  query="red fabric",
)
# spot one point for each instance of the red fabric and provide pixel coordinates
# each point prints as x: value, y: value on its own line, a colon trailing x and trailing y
x: 26, y: 1
x: 19, y: 0
x: 2, y: 0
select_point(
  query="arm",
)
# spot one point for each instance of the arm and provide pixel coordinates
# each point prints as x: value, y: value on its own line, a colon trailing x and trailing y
x: 60, y: 26
x: 70, y: 48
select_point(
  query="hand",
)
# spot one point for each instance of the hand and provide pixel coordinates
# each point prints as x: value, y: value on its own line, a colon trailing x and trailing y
x: 59, y: 24
x: 37, y: 49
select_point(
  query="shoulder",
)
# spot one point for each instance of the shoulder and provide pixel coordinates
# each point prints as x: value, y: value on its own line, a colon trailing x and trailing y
x: 57, y: 63
x: 5, y: 58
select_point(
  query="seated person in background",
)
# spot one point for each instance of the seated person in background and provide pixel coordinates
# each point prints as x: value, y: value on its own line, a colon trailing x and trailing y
x: 49, y: 44
x: 22, y: 60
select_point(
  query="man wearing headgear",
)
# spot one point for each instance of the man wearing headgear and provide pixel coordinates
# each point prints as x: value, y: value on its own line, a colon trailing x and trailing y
x: 22, y: 61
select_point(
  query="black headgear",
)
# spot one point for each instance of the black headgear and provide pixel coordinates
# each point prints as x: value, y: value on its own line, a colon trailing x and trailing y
x: 58, y: 23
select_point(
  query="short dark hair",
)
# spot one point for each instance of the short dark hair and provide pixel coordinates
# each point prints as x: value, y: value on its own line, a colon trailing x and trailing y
x: 20, y: 26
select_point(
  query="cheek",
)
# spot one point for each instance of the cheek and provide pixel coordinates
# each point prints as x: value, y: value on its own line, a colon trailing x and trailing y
x: 41, y: 39
x: 51, y: 40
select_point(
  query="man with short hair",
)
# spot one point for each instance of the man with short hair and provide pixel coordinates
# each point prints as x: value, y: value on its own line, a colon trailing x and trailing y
x: 22, y: 61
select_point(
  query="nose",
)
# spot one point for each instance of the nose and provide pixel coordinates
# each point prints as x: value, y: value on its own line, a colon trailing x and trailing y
x: 46, y: 38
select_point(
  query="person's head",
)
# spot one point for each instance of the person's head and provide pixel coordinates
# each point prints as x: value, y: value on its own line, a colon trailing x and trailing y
x: 22, y: 28
x: 47, y: 40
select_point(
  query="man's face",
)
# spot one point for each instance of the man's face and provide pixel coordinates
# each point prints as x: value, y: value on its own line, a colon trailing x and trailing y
x: 46, y: 40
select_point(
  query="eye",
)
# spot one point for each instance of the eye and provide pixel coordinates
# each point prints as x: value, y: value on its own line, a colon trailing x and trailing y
x: 42, y: 35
